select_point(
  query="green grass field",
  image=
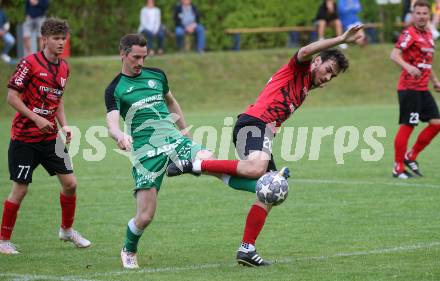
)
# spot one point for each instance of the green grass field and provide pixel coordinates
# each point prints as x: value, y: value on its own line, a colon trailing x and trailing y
x: 340, y: 222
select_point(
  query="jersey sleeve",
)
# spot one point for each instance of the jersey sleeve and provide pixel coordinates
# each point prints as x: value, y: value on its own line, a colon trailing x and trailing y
x: 296, y: 65
x: 166, y: 88
x: 111, y: 101
x: 405, y: 40
x: 21, y: 77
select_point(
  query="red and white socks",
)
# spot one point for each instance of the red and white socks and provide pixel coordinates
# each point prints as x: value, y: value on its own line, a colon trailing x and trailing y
x: 228, y: 167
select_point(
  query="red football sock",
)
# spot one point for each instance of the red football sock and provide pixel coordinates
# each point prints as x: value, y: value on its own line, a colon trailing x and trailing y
x: 254, y: 224
x: 424, y: 138
x: 228, y: 167
x: 10, y: 211
x: 401, y: 144
x: 68, y: 205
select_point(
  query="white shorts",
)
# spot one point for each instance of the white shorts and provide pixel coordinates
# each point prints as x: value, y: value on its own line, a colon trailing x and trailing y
x: 32, y: 25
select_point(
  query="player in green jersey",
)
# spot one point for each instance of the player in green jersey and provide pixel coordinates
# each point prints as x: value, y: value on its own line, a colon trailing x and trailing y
x: 141, y: 96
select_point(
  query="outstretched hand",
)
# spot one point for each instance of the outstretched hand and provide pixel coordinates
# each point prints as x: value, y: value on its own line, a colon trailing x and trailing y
x: 353, y: 34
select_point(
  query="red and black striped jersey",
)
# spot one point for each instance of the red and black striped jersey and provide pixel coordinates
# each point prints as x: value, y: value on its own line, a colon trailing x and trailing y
x: 417, y: 48
x: 41, y: 86
x: 284, y: 93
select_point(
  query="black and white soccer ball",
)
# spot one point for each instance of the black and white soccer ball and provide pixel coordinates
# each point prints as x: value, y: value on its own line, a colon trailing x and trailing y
x: 272, y: 188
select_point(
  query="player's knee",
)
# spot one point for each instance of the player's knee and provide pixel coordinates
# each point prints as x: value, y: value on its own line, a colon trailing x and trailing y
x: 205, y: 155
x: 145, y: 219
x: 256, y: 168
x: 434, y: 122
x: 70, y: 186
x: 17, y: 194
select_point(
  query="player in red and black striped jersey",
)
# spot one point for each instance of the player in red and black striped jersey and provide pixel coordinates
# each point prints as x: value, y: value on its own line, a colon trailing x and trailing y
x: 35, y: 90
x: 256, y: 127
x: 40, y: 83
x: 414, y: 53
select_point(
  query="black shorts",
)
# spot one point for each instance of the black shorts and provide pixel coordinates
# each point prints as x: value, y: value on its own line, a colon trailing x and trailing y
x: 416, y: 106
x: 24, y: 157
x: 252, y: 134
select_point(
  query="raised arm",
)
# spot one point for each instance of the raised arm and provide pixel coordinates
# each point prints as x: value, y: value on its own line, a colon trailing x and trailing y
x: 123, y: 140
x: 306, y: 53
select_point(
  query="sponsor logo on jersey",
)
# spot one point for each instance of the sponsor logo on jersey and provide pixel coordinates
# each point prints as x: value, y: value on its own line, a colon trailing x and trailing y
x: 152, y: 84
x: 21, y: 75
x: 149, y: 100
x: 405, y: 42
x: 130, y: 89
x: 43, y: 74
x: 48, y: 90
x: 427, y: 50
x: 42, y: 111
x: 292, y: 108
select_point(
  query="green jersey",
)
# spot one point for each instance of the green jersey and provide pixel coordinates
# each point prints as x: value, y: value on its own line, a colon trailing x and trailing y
x: 140, y: 101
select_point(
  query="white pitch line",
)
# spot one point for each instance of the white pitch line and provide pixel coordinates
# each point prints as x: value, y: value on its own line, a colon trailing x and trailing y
x: 400, y: 183
x: 27, y: 277
x: 280, y: 261
x: 35, y: 277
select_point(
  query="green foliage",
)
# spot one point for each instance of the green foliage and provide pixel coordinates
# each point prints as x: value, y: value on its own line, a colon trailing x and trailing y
x: 97, y: 25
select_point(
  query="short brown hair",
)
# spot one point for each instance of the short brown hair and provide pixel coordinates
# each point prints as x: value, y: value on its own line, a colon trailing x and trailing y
x: 130, y: 40
x: 54, y: 26
x: 337, y: 56
x: 422, y: 3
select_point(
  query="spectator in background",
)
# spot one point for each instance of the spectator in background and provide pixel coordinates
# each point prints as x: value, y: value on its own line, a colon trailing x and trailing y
x: 187, y: 20
x: 348, y: 11
x: 328, y: 15
x: 407, y: 11
x: 435, y: 18
x: 35, y: 16
x: 151, y: 27
x: 6, y: 36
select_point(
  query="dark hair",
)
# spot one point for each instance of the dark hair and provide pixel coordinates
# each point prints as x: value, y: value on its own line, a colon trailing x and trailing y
x: 54, y: 26
x: 129, y: 40
x: 422, y: 3
x: 337, y: 56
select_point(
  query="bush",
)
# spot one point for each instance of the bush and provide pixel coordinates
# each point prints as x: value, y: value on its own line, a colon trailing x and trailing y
x: 97, y: 25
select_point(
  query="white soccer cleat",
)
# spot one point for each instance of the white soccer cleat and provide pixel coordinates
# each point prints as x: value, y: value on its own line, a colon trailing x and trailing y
x: 71, y: 235
x: 129, y: 260
x: 7, y: 248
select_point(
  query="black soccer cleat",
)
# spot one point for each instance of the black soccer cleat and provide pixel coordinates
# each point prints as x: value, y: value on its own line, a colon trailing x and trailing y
x: 413, y: 166
x: 180, y: 167
x: 250, y: 259
x: 402, y: 175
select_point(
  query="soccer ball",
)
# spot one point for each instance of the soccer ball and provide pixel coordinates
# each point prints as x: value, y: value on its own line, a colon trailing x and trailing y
x: 272, y: 188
